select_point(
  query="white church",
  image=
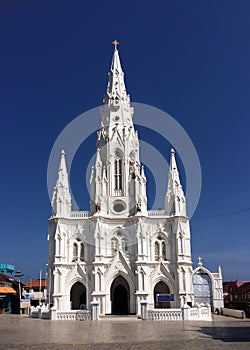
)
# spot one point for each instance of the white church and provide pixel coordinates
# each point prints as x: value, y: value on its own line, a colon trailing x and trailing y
x: 120, y: 254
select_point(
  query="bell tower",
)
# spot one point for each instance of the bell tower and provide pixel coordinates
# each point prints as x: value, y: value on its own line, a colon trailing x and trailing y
x: 118, y: 182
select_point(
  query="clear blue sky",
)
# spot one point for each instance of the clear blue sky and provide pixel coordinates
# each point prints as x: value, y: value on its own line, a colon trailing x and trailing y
x: 188, y: 58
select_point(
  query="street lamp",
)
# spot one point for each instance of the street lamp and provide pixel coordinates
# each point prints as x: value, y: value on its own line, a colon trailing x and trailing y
x: 19, y: 275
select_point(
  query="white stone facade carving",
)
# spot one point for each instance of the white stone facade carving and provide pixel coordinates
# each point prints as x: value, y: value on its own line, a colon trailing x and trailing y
x: 119, y: 254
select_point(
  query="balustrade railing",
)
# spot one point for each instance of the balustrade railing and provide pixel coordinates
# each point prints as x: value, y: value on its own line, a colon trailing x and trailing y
x: 77, y: 315
x: 79, y: 214
x: 156, y: 213
x: 165, y: 315
x: 199, y: 312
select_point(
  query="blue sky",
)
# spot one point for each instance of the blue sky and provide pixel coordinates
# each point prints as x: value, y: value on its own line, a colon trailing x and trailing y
x: 188, y: 58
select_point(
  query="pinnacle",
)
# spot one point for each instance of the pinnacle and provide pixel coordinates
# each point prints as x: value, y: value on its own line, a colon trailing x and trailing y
x: 116, y: 89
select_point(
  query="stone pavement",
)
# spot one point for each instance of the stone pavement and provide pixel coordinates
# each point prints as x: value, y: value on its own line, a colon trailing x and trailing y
x: 24, y: 333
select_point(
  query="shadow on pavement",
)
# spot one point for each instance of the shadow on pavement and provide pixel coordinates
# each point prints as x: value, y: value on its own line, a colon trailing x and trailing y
x: 227, y: 334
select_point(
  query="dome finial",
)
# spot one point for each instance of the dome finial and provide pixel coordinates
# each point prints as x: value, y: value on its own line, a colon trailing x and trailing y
x: 115, y: 43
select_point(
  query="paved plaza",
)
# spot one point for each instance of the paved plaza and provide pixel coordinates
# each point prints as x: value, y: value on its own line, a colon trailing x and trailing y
x: 22, y: 332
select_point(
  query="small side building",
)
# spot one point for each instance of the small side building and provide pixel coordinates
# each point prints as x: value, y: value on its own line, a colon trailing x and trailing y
x: 208, y: 286
x: 36, y: 291
x: 9, y: 295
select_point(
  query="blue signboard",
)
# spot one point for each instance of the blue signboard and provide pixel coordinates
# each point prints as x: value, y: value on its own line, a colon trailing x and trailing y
x: 29, y: 295
x: 164, y: 297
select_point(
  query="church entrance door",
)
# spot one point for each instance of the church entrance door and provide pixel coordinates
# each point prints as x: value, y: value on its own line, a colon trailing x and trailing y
x: 78, y: 296
x: 120, y: 296
x: 161, y: 288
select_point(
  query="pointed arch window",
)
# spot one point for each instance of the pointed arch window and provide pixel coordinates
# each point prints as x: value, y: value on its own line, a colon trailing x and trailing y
x: 118, y: 174
x: 119, y: 242
x: 160, y: 249
x: 124, y: 245
x: 114, y: 246
x: 82, y: 252
x: 163, y: 250
x: 157, y: 251
x: 75, y: 252
x: 78, y: 251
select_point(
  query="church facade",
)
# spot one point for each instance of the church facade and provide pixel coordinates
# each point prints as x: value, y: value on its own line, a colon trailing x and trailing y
x: 119, y: 253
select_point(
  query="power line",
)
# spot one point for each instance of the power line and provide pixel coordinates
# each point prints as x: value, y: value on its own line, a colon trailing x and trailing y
x: 230, y: 213
x: 223, y: 214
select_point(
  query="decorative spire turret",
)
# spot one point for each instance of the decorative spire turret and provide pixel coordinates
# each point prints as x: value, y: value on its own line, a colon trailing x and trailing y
x: 175, y: 202
x: 61, y: 200
x: 116, y: 89
x: 92, y: 191
x: 220, y: 272
x: 143, y: 173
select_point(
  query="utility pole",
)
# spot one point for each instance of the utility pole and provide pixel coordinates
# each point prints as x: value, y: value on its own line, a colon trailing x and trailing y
x: 19, y: 275
x: 40, y: 287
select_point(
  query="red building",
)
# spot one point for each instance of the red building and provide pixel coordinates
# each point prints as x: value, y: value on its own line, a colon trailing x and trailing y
x: 237, y: 296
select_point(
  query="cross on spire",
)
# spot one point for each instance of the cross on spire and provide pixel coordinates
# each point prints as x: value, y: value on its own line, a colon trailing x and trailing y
x: 115, y: 43
x: 199, y: 261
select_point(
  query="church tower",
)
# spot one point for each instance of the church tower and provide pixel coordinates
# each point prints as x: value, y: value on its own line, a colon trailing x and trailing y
x: 119, y: 254
x: 120, y: 182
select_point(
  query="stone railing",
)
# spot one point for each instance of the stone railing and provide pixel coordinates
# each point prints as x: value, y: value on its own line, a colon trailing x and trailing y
x: 79, y: 214
x: 156, y: 213
x: 74, y: 315
x: 199, y: 312
x: 71, y: 315
x: 165, y: 315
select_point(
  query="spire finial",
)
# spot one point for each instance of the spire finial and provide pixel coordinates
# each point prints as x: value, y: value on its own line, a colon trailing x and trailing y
x: 199, y: 261
x: 115, y: 43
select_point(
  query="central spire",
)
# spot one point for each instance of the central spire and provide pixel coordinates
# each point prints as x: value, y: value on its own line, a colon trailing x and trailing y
x: 116, y: 89
x: 120, y: 183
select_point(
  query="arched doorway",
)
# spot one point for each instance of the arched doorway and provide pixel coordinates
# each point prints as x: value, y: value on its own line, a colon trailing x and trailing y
x: 120, y: 296
x: 202, y: 288
x: 78, y: 296
x: 161, y: 288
